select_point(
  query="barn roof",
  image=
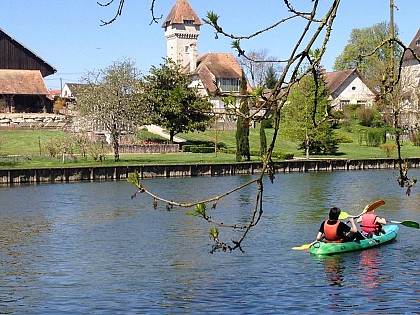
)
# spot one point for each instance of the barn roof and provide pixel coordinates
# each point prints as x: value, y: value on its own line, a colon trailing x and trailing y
x: 6, y: 64
x: 23, y: 82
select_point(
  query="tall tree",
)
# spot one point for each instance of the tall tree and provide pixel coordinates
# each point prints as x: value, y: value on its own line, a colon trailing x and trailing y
x: 172, y: 103
x: 270, y: 77
x: 364, y: 51
x: 263, y: 140
x: 257, y: 65
x: 110, y: 100
x: 304, y: 118
x: 242, y: 124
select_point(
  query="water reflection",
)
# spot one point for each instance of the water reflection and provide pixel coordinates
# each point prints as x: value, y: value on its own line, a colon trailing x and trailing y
x: 334, y: 269
x: 368, y: 268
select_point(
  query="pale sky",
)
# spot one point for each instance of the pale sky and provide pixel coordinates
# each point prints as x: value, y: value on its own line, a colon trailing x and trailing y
x: 67, y: 33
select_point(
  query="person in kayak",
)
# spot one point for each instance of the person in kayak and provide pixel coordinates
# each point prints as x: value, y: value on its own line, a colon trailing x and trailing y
x: 371, y: 224
x: 335, y: 231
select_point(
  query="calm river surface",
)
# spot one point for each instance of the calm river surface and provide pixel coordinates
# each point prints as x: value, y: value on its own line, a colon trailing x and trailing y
x: 88, y: 248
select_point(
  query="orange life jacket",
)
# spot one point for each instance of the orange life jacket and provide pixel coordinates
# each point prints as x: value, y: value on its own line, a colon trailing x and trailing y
x: 368, y: 223
x: 330, y: 233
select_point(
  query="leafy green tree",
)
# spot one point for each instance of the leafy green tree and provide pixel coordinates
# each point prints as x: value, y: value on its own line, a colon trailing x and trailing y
x: 364, y: 52
x: 242, y: 124
x: 304, y: 117
x: 171, y: 101
x: 110, y: 101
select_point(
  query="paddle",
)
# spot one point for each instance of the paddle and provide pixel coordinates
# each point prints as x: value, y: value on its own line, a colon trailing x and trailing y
x: 376, y: 204
x: 370, y: 207
x: 407, y: 223
x: 304, y: 246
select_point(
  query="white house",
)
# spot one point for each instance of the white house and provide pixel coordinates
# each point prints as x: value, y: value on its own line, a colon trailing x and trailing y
x: 348, y: 87
x: 70, y: 91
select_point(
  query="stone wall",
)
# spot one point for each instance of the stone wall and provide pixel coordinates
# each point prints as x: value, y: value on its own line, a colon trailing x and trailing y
x: 68, y: 174
x: 32, y: 121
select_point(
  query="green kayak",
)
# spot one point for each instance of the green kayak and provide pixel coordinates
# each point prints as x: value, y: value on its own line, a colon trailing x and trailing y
x: 322, y: 248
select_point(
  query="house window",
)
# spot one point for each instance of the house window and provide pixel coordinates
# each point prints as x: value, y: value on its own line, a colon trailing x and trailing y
x: 228, y: 84
x: 343, y: 103
x: 361, y: 103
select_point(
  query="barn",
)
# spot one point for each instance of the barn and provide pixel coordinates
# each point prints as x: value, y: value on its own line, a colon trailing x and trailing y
x: 22, y: 72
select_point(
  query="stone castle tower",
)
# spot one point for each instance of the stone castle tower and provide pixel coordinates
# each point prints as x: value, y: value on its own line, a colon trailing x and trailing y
x: 182, y: 28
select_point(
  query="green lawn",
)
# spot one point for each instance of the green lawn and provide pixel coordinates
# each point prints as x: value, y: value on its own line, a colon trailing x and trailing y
x: 25, y: 147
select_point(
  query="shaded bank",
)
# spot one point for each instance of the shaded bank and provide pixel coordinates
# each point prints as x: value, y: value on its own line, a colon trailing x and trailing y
x: 89, y: 173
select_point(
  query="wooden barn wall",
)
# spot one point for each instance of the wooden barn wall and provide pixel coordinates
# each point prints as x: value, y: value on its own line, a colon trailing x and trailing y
x: 14, y: 56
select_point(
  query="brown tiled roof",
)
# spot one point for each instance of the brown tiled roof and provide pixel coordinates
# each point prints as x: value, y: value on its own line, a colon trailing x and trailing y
x: 336, y: 79
x: 53, y: 94
x: 180, y: 12
x: 415, y: 46
x: 215, y: 65
x: 75, y: 88
x: 26, y: 82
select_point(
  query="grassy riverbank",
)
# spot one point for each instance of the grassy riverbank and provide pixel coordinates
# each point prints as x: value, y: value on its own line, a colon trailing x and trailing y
x: 27, y: 149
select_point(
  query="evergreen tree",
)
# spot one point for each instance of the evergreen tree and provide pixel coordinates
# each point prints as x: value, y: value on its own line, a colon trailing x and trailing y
x: 242, y: 124
x: 263, y: 140
x: 270, y: 78
x: 304, y: 117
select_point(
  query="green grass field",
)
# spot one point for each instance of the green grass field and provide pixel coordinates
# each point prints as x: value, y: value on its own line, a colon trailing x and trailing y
x: 26, y: 148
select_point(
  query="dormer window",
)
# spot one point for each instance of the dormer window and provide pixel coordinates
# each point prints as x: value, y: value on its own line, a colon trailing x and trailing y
x: 228, y: 84
x: 188, y: 22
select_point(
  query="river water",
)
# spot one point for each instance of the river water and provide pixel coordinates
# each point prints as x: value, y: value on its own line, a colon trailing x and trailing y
x: 88, y: 248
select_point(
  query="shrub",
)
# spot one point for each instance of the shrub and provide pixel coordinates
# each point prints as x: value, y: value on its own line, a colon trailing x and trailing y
x: 388, y: 148
x: 373, y: 137
x: 415, y: 138
x: 267, y: 123
x: 200, y: 149
x: 283, y: 155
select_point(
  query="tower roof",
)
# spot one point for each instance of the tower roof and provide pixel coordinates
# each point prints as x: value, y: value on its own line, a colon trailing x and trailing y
x: 181, y: 11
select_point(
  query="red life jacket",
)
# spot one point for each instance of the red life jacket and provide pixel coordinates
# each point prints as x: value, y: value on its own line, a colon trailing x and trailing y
x: 330, y: 233
x: 368, y: 223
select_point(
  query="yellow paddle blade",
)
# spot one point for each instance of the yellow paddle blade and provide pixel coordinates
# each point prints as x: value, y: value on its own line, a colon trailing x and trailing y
x: 372, y: 206
x: 302, y: 247
x: 343, y: 215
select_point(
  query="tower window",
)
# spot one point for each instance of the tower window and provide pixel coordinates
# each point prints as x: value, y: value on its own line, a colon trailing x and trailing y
x: 188, y: 22
x: 187, y: 49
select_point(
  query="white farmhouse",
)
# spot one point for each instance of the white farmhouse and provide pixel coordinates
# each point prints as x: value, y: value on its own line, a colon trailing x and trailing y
x: 348, y: 87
